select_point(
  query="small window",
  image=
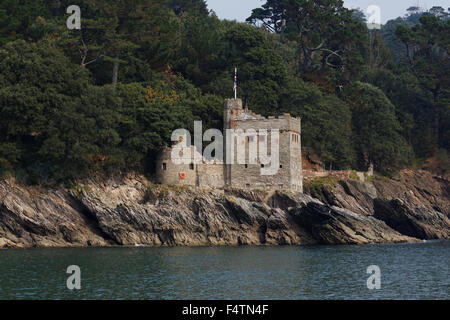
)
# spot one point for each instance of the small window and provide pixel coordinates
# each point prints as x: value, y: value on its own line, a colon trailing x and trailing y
x: 247, y: 185
x: 246, y: 166
x: 191, y: 166
x: 262, y: 166
x: 164, y: 166
x: 281, y: 166
x: 262, y: 138
x: 250, y: 138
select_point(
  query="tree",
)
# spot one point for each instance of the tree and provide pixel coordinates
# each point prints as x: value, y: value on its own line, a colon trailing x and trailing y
x: 379, y: 53
x: 412, y: 107
x: 181, y: 6
x: 413, y: 10
x: 377, y: 132
x: 438, y: 12
x: 146, y: 123
x: 428, y: 55
x: 326, y: 122
x: 54, y: 123
x: 200, y: 57
x: 17, y: 17
x: 327, y: 34
x: 149, y: 115
x: 359, y: 15
x: 171, y: 62
x: 261, y: 73
x: 272, y: 16
x: 127, y: 24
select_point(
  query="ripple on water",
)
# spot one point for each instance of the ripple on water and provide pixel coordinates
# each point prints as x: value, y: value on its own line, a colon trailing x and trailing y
x: 408, y: 271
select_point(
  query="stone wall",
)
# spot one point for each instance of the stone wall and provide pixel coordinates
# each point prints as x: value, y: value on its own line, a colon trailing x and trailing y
x: 175, y: 174
x: 203, y: 174
x: 289, y: 172
x: 309, y: 175
x: 248, y: 173
x: 210, y: 176
x: 296, y: 163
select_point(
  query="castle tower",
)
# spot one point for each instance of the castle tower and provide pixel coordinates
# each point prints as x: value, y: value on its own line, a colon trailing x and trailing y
x: 231, y: 113
x: 295, y: 155
x: 289, y: 171
x: 249, y: 173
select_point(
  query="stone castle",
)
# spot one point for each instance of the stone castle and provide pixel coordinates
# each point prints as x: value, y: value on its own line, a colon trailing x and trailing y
x: 217, y: 174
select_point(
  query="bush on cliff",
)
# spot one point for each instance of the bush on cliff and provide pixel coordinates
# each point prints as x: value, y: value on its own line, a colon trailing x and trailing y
x: 377, y: 137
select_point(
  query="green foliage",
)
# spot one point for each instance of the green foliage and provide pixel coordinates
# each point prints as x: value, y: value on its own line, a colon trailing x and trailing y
x: 354, y: 175
x: 317, y: 186
x: 261, y: 71
x: 172, y: 62
x: 427, y: 47
x: 58, y: 126
x: 419, y: 85
x: 326, y: 33
x: 18, y: 16
x: 52, y: 119
x: 379, y: 54
x: 412, y: 108
x: 181, y: 6
x: 444, y: 159
x: 377, y: 136
x: 326, y: 122
x: 127, y: 25
x: 377, y: 177
x: 200, y: 59
x: 146, y: 126
x: 427, y: 50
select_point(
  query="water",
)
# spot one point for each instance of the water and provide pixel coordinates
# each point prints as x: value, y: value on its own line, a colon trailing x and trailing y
x: 408, y: 271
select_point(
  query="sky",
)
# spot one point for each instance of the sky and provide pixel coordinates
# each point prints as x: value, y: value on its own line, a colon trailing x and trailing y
x: 390, y: 9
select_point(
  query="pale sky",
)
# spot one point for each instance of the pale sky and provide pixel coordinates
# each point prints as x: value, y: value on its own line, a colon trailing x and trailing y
x: 390, y: 9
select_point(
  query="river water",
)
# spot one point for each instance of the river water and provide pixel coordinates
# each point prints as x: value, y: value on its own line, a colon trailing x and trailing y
x: 408, y: 271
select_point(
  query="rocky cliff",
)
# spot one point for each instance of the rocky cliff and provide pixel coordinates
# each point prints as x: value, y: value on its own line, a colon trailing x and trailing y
x: 130, y: 211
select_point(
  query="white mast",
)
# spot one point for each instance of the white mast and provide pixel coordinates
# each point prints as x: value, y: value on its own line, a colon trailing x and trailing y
x: 235, y: 83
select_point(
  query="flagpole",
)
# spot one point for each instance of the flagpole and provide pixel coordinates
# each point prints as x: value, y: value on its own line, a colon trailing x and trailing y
x: 235, y: 83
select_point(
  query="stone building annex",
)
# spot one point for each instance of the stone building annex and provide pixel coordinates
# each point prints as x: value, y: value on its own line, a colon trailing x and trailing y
x: 246, y: 174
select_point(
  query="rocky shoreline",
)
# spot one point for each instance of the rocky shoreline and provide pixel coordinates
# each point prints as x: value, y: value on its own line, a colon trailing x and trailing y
x: 131, y: 211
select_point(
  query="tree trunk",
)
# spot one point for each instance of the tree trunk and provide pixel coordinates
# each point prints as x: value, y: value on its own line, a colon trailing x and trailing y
x: 437, y: 119
x: 115, y: 75
x: 436, y: 123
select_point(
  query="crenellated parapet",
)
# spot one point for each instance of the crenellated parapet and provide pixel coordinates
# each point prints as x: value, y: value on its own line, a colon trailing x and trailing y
x: 281, y: 133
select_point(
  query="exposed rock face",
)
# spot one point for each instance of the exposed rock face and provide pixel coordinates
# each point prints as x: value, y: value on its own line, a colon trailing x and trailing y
x: 30, y: 217
x: 131, y: 211
x: 414, y: 188
x: 414, y: 203
x: 419, y: 222
x: 332, y: 225
x: 164, y: 216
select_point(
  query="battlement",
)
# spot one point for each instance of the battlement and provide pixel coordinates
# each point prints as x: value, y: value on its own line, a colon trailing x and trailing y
x: 280, y: 123
x: 237, y: 117
x: 215, y: 174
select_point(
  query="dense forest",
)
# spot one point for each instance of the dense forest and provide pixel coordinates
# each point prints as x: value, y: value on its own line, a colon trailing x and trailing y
x: 107, y: 97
